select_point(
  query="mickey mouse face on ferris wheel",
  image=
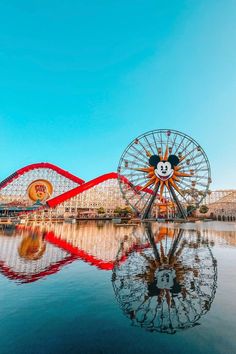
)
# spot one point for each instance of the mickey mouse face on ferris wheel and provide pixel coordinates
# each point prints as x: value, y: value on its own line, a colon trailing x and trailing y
x: 164, y: 169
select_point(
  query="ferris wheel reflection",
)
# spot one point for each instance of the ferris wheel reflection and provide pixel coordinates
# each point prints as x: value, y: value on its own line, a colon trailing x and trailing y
x: 168, y: 285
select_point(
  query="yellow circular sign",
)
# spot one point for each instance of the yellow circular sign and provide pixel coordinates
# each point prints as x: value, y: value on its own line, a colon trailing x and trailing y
x: 40, y: 189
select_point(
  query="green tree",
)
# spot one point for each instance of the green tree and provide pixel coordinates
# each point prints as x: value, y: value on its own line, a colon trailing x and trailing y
x: 118, y: 211
x: 101, y: 210
x: 127, y: 211
x: 190, y: 210
x: 203, y: 209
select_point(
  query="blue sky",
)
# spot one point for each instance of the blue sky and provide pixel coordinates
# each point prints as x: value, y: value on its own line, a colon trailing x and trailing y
x: 80, y: 79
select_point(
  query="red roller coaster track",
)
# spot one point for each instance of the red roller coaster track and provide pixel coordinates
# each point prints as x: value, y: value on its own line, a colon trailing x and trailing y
x: 73, y: 192
x: 74, y: 253
x: 52, y: 203
x: 82, y: 185
x: 34, y: 166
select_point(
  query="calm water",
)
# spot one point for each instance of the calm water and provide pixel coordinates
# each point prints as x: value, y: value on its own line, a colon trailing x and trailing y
x: 101, y: 288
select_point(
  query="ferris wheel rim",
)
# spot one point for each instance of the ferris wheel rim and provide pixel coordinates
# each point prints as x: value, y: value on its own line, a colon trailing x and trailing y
x: 172, y: 131
x: 177, y: 133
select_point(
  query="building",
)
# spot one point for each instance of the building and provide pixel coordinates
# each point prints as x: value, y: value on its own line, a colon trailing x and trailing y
x: 222, y: 205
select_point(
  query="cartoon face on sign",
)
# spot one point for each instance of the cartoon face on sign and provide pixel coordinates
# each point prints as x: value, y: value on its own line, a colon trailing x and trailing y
x: 40, y: 190
x: 164, y: 169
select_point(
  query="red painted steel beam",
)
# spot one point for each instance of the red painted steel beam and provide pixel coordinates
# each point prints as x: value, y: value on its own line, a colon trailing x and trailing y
x: 52, y: 203
x: 34, y: 166
x: 73, y: 192
x: 29, y: 278
x: 75, y: 251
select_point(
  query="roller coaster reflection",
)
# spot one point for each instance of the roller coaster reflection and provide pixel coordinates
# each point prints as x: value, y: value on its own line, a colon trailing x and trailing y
x: 164, y: 279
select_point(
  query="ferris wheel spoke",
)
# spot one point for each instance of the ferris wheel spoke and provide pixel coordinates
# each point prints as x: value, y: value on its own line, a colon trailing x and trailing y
x: 141, y: 199
x: 203, y: 170
x: 185, y: 148
x: 146, y: 146
x: 131, y: 189
x: 140, y: 152
x: 200, y: 177
x: 193, y: 158
x: 184, y: 184
x: 133, y: 163
x: 135, y: 156
x: 196, y: 167
x: 153, y: 145
x: 135, y: 180
x: 185, y: 180
x: 162, y: 150
x: 204, y: 185
x: 154, y: 139
x: 135, y: 174
x: 199, y: 167
x: 179, y: 145
x: 137, y: 196
x: 147, y: 152
x: 173, y: 141
x: 184, y: 188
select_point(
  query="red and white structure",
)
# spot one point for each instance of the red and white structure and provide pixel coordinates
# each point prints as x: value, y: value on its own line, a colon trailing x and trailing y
x: 51, y: 192
x: 13, y: 189
x: 59, y: 192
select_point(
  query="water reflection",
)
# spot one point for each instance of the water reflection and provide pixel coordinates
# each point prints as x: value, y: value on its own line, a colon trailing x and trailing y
x: 169, y: 282
x: 164, y: 278
x: 33, y: 245
x: 27, y: 256
x: 29, y: 253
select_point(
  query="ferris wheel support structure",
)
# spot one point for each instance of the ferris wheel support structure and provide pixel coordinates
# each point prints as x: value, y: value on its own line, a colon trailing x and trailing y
x: 166, y: 169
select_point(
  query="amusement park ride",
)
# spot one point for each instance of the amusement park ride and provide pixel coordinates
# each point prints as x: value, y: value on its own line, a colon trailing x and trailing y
x: 166, y: 168
x: 162, y: 173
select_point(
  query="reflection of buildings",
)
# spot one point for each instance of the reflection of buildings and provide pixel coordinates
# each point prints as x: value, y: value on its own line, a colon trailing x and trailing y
x: 14, y: 267
x: 220, y: 237
x: 169, y: 285
x: 98, y: 245
x: 64, y: 243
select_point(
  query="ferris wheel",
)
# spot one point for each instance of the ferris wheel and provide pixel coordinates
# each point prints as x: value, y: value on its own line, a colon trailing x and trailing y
x: 164, y: 167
